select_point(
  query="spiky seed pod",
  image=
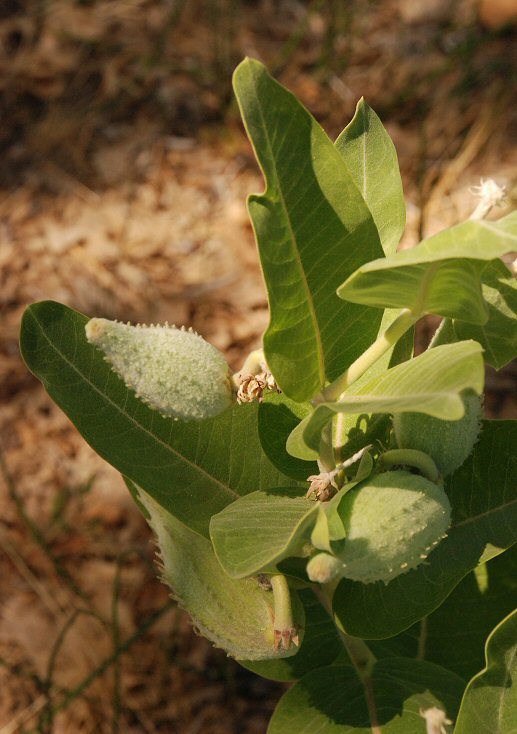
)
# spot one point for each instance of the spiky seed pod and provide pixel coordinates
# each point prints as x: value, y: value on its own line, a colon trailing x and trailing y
x: 392, y: 523
x: 448, y: 443
x: 173, y: 370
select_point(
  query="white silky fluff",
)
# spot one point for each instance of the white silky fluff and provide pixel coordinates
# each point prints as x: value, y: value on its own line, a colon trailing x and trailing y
x: 174, y: 371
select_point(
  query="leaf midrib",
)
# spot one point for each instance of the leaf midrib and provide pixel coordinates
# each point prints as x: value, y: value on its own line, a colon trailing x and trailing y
x: 118, y: 408
x: 310, y: 303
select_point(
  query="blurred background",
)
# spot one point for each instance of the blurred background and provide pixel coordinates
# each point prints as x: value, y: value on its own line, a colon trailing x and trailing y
x: 122, y: 193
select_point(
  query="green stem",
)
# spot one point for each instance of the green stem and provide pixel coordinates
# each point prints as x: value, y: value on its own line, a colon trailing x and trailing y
x: 326, y: 460
x: 283, y: 625
x: 385, y: 341
x: 411, y: 457
x: 358, y: 651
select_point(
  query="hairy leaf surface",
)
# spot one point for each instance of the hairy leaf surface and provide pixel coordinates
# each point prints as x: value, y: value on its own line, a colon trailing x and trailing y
x: 442, y: 275
x: 431, y: 383
x: 483, y: 496
x: 313, y: 229
x: 333, y: 700
x: 498, y: 336
x: 371, y: 158
x: 192, y: 469
x: 489, y: 705
x: 259, y: 530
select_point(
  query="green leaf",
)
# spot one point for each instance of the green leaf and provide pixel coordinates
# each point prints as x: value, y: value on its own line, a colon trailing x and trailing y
x: 454, y: 634
x: 313, y: 229
x: 431, y: 383
x: 498, y: 336
x: 483, y: 496
x: 236, y: 615
x: 320, y: 645
x: 259, y: 530
x: 192, y: 469
x: 371, y: 158
x: 333, y: 700
x: 277, y: 417
x: 489, y: 705
x: 442, y: 275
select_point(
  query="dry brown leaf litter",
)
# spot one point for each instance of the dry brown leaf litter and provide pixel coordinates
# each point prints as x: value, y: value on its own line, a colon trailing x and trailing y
x: 119, y: 217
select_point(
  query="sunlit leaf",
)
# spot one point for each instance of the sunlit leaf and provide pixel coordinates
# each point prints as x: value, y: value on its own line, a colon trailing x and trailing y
x: 192, y: 469
x: 334, y: 700
x: 431, y: 383
x: 489, y: 705
x: 483, y: 496
x: 442, y: 275
x: 313, y: 230
x: 371, y: 159
x: 259, y: 530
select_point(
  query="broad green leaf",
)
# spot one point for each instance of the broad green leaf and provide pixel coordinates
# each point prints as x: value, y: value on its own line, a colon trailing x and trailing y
x: 277, y: 417
x: 320, y: 645
x: 454, y: 635
x: 236, y: 615
x: 333, y: 700
x: 431, y: 383
x: 483, y: 496
x: 442, y: 275
x: 371, y: 158
x: 192, y: 469
x: 259, y: 530
x: 489, y: 705
x: 313, y: 229
x: 498, y: 336
x: 350, y: 433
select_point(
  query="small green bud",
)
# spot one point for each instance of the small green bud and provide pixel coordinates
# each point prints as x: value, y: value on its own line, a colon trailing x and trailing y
x: 323, y: 568
x: 392, y: 522
x: 448, y: 443
x: 173, y: 370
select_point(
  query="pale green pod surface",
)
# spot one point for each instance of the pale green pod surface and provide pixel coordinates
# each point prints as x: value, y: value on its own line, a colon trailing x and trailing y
x: 448, y: 443
x: 392, y: 522
x: 234, y: 614
x: 323, y: 568
x: 174, y: 371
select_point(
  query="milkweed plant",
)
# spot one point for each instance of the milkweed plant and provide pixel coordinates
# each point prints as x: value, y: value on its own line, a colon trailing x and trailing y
x: 338, y: 513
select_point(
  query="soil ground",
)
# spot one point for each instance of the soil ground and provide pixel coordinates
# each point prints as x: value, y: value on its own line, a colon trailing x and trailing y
x: 122, y: 193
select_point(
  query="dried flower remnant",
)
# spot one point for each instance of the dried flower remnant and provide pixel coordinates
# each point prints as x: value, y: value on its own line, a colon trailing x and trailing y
x: 435, y: 720
x: 321, y: 486
x: 491, y: 194
x: 252, y: 387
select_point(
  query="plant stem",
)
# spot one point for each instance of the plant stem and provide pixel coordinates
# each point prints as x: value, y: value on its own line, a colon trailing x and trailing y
x: 385, y: 341
x: 411, y: 457
x: 284, y: 628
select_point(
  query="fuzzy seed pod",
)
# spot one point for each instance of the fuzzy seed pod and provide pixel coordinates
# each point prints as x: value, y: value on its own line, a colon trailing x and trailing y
x: 392, y: 522
x: 323, y: 568
x: 448, y: 443
x: 174, y: 371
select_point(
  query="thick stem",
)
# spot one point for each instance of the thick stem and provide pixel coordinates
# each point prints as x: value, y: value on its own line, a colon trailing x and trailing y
x: 284, y: 629
x: 385, y: 341
x: 411, y: 457
x: 358, y: 651
x: 326, y: 460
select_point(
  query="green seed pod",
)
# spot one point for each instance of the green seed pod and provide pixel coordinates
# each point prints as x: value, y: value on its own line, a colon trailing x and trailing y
x: 323, y: 568
x: 235, y: 614
x: 392, y: 522
x: 174, y: 371
x: 448, y: 443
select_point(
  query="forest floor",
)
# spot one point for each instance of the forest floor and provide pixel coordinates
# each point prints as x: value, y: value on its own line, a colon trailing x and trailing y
x: 122, y: 194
